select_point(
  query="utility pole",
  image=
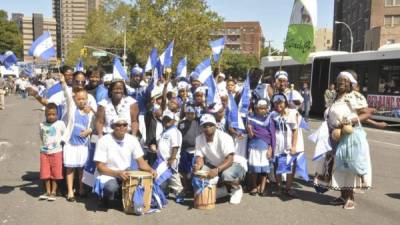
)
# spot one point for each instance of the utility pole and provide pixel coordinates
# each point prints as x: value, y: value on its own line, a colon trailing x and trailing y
x: 269, y: 46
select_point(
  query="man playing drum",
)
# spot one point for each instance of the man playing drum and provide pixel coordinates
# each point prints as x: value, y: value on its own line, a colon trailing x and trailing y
x: 113, y: 157
x: 214, y: 153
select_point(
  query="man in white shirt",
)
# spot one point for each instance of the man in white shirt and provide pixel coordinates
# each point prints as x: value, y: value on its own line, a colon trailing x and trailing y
x: 114, y: 155
x: 215, y: 152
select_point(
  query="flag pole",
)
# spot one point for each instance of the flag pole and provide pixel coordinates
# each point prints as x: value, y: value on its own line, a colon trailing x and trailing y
x: 283, y: 52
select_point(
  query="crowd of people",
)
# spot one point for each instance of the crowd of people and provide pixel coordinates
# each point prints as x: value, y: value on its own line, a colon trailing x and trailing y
x: 97, y: 128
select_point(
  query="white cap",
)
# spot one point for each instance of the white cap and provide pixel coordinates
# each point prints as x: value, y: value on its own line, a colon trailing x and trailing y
x: 136, y: 70
x: 281, y: 74
x: 221, y: 75
x: 183, y: 85
x: 207, y: 118
x: 156, y: 93
x: 349, y: 76
x: 119, y: 119
x: 169, y: 114
x: 201, y: 89
x: 262, y: 102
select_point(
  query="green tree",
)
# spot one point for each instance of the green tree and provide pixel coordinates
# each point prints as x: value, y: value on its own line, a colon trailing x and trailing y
x: 150, y: 24
x: 237, y: 65
x: 187, y: 22
x: 265, y: 51
x: 104, y: 29
x: 10, y: 36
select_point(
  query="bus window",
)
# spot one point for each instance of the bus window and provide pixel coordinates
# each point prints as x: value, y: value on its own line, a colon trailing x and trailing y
x: 389, y: 79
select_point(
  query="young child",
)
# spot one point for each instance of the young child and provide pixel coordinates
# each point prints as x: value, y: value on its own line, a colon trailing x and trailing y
x: 51, y: 132
x: 169, y: 147
x: 190, y: 129
x: 286, y: 126
x: 261, y: 133
x: 77, y: 136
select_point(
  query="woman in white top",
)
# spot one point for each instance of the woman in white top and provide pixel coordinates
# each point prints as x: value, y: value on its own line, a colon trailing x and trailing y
x: 118, y: 104
x: 347, y: 109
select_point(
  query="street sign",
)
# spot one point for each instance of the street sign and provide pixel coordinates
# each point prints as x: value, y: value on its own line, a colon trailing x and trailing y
x: 99, y: 53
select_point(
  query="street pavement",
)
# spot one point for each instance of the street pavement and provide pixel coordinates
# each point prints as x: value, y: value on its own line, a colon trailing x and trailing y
x: 20, y: 187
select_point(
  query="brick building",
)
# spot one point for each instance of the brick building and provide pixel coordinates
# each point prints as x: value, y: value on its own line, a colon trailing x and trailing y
x: 373, y: 23
x: 242, y: 37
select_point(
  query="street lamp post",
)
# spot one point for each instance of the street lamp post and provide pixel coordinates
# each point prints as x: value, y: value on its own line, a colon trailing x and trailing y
x: 351, y: 33
x: 340, y: 42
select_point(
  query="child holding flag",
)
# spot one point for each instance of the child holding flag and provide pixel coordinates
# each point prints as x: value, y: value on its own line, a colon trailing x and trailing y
x: 77, y: 135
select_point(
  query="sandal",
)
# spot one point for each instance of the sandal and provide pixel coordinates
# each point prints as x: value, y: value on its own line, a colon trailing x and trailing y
x: 51, y: 198
x: 71, y: 199
x: 349, y: 204
x: 253, y: 192
x: 337, y: 201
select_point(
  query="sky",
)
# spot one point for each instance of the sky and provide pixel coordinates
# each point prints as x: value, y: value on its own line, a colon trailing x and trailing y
x: 273, y: 15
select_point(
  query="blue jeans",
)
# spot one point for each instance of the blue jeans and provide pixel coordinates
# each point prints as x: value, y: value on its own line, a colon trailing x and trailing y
x: 111, y: 188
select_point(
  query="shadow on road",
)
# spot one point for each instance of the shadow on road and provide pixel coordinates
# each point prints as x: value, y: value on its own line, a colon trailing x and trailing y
x: 394, y: 195
x: 32, y: 188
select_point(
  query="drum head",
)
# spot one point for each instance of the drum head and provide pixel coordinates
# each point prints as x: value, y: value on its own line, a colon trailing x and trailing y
x: 138, y: 173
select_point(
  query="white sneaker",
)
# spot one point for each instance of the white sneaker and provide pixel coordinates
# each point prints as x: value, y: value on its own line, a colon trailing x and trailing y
x: 236, y: 196
x: 44, y: 197
x: 222, y: 192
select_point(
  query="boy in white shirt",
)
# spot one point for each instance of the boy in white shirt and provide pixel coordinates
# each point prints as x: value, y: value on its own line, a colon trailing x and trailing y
x: 169, y: 147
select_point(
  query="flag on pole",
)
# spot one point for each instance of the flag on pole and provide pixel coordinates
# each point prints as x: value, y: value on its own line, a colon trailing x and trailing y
x: 8, y: 59
x: 217, y: 46
x: 234, y: 117
x: 79, y: 65
x: 166, y: 56
x: 244, y: 102
x: 151, y: 61
x: 118, y: 70
x: 212, y: 91
x: 181, y: 70
x: 300, y: 35
x: 203, y: 70
x: 43, y: 47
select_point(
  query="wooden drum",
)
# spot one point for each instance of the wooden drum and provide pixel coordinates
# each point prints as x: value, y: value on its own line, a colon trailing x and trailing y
x: 129, y: 187
x: 207, y: 198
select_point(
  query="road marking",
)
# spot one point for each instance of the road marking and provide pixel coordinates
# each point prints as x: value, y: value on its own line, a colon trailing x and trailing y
x: 381, y: 142
x: 380, y: 130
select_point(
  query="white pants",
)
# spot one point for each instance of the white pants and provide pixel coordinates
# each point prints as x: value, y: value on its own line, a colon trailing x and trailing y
x: 2, y: 103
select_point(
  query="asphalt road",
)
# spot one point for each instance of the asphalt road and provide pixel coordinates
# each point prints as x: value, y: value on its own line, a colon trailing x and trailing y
x: 19, y: 188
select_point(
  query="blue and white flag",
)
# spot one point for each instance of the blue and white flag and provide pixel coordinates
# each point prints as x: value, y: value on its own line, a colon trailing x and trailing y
x: 301, y: 166
x: 79, y: 65
x: 151, y: 61
x: 212, y: 91
x: 217, y: 46
x: 9, y: 59
x: 166, y: 56
x: 234, y: 118
x: 162, y: 169
x: 119, y: 72
x: 43, y: 47
x: 245, y: 98
x: 204, y: 70
x: 181, y: 70
x: 28, y: 70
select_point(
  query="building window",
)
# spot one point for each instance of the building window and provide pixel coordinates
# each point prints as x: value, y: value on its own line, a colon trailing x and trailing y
x: 392, y: 2
x: 392, y: 20
x: 390, y: 41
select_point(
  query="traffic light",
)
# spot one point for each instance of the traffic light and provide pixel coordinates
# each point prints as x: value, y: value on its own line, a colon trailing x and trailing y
x: 83, y: 52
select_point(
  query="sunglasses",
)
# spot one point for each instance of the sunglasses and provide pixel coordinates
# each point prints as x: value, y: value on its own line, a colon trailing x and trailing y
x: 121, y: 125
x: 80, y: 81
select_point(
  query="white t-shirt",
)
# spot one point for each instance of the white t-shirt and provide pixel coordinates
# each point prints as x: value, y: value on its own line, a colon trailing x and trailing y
x: 51, y: 136
x: 216, y: 151
x: 117, y: 156
x: 123, y: 110
x: 170, y: 138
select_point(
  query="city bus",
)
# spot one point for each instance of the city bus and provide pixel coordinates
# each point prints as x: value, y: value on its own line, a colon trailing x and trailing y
x: 378, y: 77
